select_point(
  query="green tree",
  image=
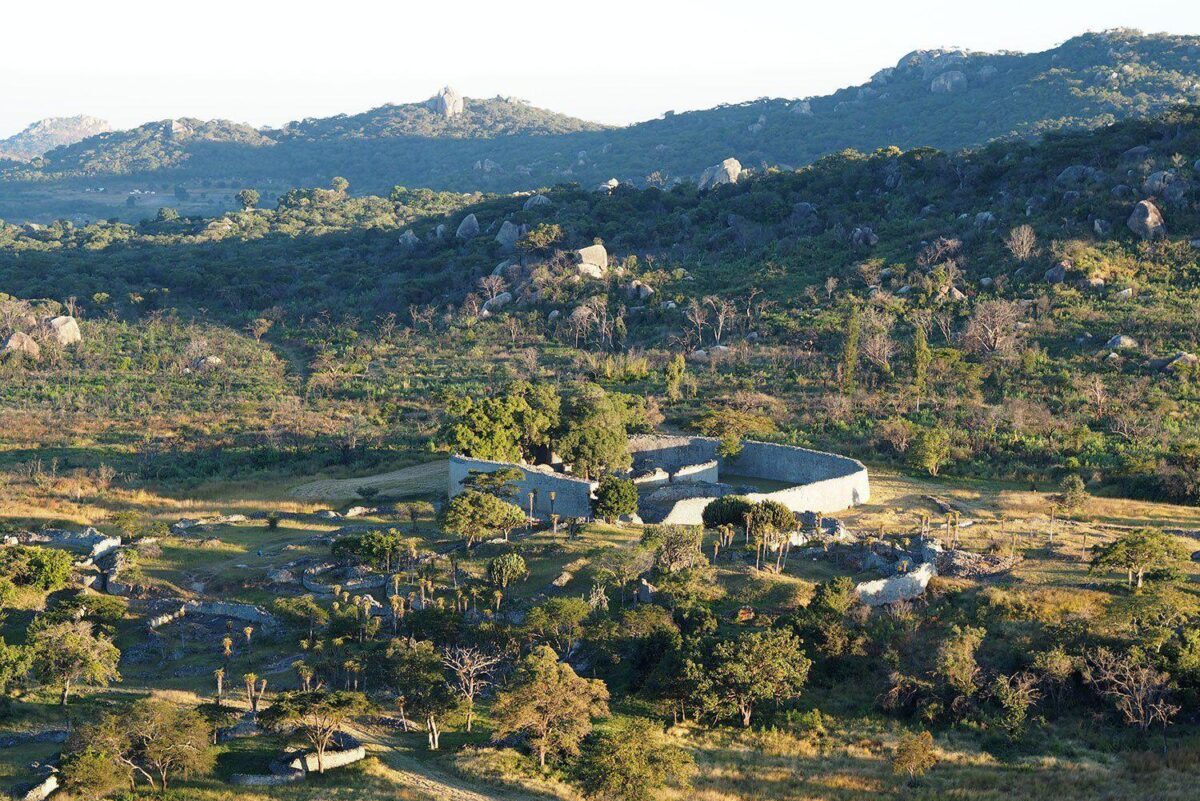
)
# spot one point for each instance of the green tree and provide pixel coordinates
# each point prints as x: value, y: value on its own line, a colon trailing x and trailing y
x: 915, y: 755
x: 751, y: 669
x: 475, y: 516
x: 247, y: 199
x: 549, y: 705
x: 507, y: 568
x: 67, y: 654
x: 731, y: 426
x: 1073, y: 495
x: 675, y: 547
x: 304, y: 610
x: 675, y: 371
x: 339, y: 185
x: 90, y: 774
x: 415, y: 671
x: 1137, y: 552
x: 727, y: 510
x: 850, y: 345
x: 631, y: 761
x: 559, y: 622
x: 317, y: 715
x: 922, y: 357
x: 930, y: 450
x: 500, y: 483
x: 615, y: 498
x: 156, y: 739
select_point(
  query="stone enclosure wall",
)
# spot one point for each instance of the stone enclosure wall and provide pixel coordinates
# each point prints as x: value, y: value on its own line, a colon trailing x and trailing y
x: 822, y: 482
x: 573, y: 495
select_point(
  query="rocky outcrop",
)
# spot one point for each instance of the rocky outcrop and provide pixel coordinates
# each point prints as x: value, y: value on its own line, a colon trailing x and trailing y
x: 1147, y: 221
x: 448, y: 103
x: 40, y: 791
x: 1121, y: 342
x: 409, y: 240
x: 864, y: 237
x: 468, y: 228
x: 508, y: 235
x: 64, y: 330
x: 727, y: 172
x: 22, y: 343
x: 901, y: 587
x: 537, y: 201
x: 593, y: 261
x: 948, y: 83
x: 499, y: 302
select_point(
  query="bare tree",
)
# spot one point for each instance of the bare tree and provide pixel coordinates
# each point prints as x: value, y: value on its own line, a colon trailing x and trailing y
x: 1139, y: 692
x: 992, y: 328
x: 878, y: 346
x: 472, y: 670
x: 1022, y: 243
x: 723, y: 311
x: 697, y: 315
x: 492, y: 285
x: 831, y: 284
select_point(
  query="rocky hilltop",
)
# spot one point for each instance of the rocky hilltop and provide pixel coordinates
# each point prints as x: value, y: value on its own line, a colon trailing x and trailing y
x: 45, y: 135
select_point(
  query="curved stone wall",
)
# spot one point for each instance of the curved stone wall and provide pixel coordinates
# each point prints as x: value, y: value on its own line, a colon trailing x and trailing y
x: 573, y: 496
x: 823, y: 482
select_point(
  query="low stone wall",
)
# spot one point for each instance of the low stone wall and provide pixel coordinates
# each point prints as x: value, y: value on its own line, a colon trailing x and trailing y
x: 310, y: 582
x: 293, y: 767
x: 824, y: 482
x: 40, y: 791
x: 707, y: 472
x: 247, y: 613
x: 573, y: 495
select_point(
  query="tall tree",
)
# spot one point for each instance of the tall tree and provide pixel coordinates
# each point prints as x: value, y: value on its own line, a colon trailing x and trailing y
x: 752, y: 669
x: 66, y: 654
x: 549, y: 705
x: 317, y: 714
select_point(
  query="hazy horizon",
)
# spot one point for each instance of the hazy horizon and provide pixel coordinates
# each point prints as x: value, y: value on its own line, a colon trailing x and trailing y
x: 266, y: 66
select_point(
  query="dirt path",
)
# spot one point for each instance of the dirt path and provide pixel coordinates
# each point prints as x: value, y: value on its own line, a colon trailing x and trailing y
x: 421, y: 479
x: 405, y: 769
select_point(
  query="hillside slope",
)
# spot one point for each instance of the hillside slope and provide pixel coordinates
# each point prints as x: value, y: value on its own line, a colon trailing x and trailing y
x: 942, y: 98
x: 45, y: 135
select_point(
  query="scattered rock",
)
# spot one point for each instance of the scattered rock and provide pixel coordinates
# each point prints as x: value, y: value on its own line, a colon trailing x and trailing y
x: 1121, y: 342
x: 985, y: 219
x: 409, y: 240
x: 508, y: 235
x: 1157, y: 182
x: 1056, y: 274
x: 1147, y: 221
x: 1078, y: 175
x: 727, y: 172
x: 206, y: 364
x: 468, y: 228
x: 499, y: 302
x: 1124, y: 294
x: 903, y: 587
x: 864, y: 237
x: 1102, y: 227
x: 646, y: 591
x: 593, y: 261
x: 698, y: 355
x: 65, y: 330
x: 536, y: 201
x: 22, y: 343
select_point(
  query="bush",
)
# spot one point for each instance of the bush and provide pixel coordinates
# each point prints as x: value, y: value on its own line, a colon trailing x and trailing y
x: 727, y: 510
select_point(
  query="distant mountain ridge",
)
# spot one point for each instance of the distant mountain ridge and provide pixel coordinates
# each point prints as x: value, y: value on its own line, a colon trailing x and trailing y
x: 945, y: 98
x: 45, y: 135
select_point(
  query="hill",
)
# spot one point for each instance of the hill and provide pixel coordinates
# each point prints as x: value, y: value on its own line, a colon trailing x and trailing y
x: 47, y: 134
x: 947, y: 99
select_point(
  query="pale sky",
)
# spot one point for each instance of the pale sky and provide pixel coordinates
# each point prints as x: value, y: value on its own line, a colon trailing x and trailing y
x: 617, y: 61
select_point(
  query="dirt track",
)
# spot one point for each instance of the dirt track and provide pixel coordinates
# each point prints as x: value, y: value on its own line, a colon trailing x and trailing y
x: 421, y: 479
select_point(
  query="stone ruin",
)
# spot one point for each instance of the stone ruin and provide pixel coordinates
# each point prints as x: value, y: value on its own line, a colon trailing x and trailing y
x: 679, y: 476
